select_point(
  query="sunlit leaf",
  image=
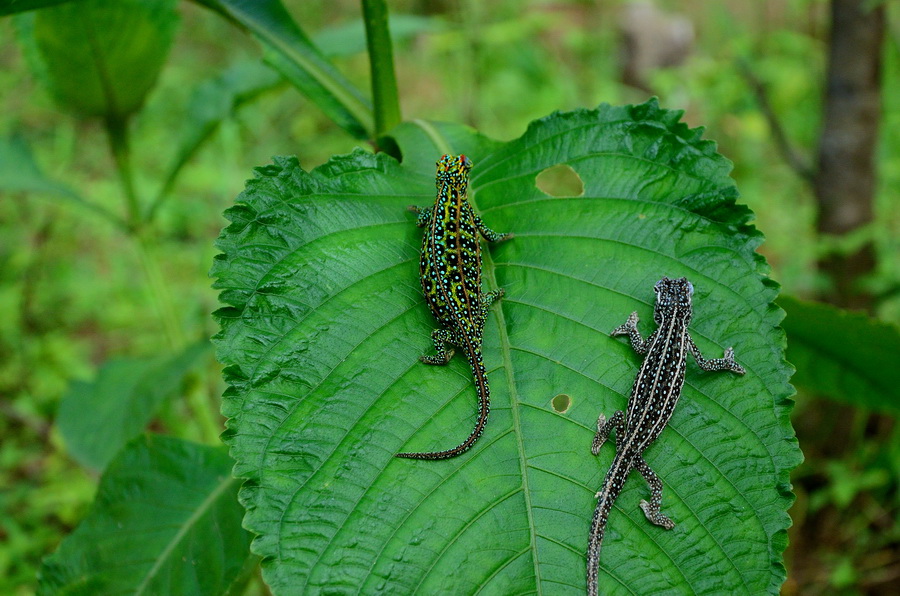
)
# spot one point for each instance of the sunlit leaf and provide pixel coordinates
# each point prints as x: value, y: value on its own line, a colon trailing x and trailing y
x: 325, y: 322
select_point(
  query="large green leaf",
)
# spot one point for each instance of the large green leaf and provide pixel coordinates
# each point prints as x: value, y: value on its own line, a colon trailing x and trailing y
x: 97, y: 418
x: 846, y: 356
x: 165, y: 521
x: 325, y: 322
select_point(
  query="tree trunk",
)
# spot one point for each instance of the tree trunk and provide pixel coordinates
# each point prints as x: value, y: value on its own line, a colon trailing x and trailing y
x: 845, y: 181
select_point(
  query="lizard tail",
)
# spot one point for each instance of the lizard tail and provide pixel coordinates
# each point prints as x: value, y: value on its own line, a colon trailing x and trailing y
x: 612, y: 486
x: 484, y: 407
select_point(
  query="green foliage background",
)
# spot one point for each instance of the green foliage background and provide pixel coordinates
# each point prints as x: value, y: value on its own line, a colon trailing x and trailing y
x: 73, y: 288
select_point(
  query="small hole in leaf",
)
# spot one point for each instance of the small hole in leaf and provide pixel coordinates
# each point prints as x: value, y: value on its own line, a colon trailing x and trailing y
x: 560, y: 181
x: 561, y: 403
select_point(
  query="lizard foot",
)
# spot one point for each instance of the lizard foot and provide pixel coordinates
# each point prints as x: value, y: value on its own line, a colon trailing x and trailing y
x: 731, y: 364
x: 438, y: 360
x: 629, y: 326
x: 655, y: 516
x: 599, y: 439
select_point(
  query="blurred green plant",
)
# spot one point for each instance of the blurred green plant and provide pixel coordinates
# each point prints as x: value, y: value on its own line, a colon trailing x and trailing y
x: 122, y: 401
x: 165, y: 521
x: 847, y: 356
x: 117, y: 73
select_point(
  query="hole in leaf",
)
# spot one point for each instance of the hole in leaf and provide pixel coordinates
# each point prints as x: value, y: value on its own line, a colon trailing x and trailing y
x: 560, y: 181
x: 561, y: 403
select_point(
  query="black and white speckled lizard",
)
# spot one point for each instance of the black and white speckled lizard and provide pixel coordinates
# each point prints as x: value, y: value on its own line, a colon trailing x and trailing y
x: 653, y: 397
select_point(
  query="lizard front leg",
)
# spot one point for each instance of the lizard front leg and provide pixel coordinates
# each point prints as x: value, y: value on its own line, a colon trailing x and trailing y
x: 725, y: 363
x: 487, y: 300
x: 489, y: 234
x: 423, y: 212
x: 651, y: 508
x: 630, y: 329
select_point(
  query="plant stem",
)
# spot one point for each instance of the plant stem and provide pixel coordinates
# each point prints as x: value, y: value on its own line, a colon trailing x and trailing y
x: 119, y: 146
x: 138, y: 230
x: 316, y: 73
x: 117, y: 131
x: 381, y: 65
x: 846, y: 179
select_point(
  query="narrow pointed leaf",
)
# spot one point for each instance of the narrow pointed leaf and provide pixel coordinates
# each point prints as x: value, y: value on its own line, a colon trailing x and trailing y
x: 324, y: 323
x: 213, y: 101
x: 349, y: 38
x: 165, y: 521
x: 19, y: 172
x: 290, y: 51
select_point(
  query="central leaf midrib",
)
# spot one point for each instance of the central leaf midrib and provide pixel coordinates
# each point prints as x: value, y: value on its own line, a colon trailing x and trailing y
x: 204, y: 507
x: 489, y: 274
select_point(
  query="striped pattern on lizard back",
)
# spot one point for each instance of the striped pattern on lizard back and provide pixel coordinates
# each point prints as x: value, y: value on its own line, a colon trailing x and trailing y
x: 450, y: 271
x: 654, y: 394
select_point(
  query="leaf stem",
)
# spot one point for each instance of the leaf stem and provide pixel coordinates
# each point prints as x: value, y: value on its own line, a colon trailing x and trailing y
x: 381, y: 64
x: 139, y: 231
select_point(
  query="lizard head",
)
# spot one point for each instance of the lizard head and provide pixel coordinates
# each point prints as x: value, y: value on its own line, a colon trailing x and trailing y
x: 453, y: 169
x: 673, y: 297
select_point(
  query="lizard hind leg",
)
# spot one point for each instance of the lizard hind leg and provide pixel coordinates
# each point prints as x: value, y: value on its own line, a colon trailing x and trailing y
x: 651, y: 508
x: 441, y: 337
x: 604, y: 427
